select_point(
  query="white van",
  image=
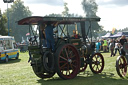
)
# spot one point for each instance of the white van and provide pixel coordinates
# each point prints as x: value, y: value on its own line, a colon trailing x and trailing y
x: 7, y: 48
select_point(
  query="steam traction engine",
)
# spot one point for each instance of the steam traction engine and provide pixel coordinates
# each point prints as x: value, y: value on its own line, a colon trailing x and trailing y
x: 71, y: 55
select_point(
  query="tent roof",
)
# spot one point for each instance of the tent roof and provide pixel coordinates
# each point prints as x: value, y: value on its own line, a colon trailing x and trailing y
x: 6, y: 38
x: 107, y: 35
x: 119, y: 34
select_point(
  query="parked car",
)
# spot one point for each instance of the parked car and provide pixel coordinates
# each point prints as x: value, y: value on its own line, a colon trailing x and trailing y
x: 8, y: 48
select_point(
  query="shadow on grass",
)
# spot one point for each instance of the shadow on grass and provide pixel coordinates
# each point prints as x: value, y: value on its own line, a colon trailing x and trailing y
x: 87, y: 78
x: 104, y: 52
x: 10, y: 61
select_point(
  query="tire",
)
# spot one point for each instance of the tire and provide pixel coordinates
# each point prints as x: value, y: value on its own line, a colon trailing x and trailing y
x: 82, y: 69
x: 121, y: 66
x: 67, y: 61
x: 48, y: 61
x: 39, y: 70
x: 17, y: 56
x: 97, y: 63
x: 43, y: 75
x: 6, y: 59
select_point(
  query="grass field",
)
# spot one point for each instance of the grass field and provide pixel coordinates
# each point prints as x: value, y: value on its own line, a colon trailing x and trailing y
x: 19, y: 72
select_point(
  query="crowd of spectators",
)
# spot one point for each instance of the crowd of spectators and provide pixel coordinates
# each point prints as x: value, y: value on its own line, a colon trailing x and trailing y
x: 111, y: 45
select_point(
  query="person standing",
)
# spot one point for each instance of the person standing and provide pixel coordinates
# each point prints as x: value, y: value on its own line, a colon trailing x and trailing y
x: 105, y: 44
x: 42, y: 28
x: 98, y: 46
x: 49, y: 35
x: 122, y: 41
x: 111, y: 46
x: 117, y: 46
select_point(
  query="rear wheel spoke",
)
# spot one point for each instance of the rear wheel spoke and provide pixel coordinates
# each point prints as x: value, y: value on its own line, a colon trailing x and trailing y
x: 94, y: 66
x: 66, y: 53
x: 63, y: 65
x: 97, y: 69
x: 63, y: 58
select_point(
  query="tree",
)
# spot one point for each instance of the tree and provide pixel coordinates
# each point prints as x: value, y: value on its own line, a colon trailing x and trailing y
x: 54, y: 15
x: 3, y: 20
x: 65, y: 13
x: 90, y: 8
x: 17, y: 12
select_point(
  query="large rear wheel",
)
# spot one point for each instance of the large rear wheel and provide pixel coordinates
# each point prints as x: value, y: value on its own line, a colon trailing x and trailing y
x: 121, y: 66
x: 67, y: 61
x: 97, y: 63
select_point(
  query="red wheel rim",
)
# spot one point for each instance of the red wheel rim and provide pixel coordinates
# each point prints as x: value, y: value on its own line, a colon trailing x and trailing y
x: 122, y: 66
x: 69, y: 62
x: 97, y: 63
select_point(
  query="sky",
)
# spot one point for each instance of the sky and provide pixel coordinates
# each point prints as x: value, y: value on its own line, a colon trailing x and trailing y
x: 113, y: 13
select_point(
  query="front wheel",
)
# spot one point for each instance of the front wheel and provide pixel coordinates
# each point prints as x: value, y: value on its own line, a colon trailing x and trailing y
x: 6, y: 59
x: 38, y: 68
x: 121, y: 66
x: 42, y: 75
x: 97, y: 63
x: 83, y: 68
x: 17, y: 56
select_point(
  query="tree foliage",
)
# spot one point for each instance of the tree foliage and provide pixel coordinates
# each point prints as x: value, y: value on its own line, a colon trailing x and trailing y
x: 65, y: 13
x: 17, y: 12
x: 90, y: 8
x: 3, y: 20
x: 54, y: 15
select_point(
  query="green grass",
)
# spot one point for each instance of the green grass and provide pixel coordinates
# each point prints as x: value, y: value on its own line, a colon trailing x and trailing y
x: 19, y: 72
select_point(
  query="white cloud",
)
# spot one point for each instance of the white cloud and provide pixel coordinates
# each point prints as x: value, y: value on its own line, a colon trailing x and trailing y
x: 44, y: 9
x: 112, y: 13
x: 3, y: 6
x: 47, y: 8
x: 113, y: 2
x: 113, y: 17
x: 48, y: 2
x: 75, y: 7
